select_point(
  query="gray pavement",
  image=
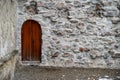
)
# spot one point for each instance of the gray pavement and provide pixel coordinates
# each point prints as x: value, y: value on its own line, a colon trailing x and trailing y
x: 52, y: 73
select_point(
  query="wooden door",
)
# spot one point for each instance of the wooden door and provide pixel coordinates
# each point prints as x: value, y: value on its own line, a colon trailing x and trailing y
x: 31, y: 41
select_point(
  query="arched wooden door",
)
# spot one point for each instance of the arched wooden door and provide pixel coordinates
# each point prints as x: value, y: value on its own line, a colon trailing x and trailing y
x: 31, y: 35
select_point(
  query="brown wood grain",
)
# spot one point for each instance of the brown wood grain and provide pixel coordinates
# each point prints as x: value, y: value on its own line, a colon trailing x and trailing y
x: 31, y: 39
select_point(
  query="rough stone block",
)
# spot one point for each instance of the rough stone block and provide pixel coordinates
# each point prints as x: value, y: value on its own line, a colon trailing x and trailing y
x: 111, y: 12
x: 67, y: 55
x: 60, y: 5
x: 49, y: 5
x: 116, y: 55
x: 77, y: 4
x: 56, y: 54
x: 7, y: 68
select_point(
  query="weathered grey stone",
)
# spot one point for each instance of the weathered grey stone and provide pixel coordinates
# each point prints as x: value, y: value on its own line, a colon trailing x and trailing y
x: 59, y: 33
x: 7, y: 39
x: 117, y: 35
x: 74, y: 20
x: 84, y: 28
x: 68, y: 61
x: 68, y: 1
x: 84, y: 49
x: 79, y: 57
x: 49, y: 5
x: 40, y: 4
x: 54, y: 19
x: 72, y: 14
x: 118, y: 5
x: 116, y: 55
x: 7, y: 68
x: 117, y: 77
x: 111, y: 12
x: 67, y: 55
x: 66, y: 47
x: 115, y: 20
x: 7, y: 27
x: 49, y: 14
x: 31, y: 8
x: 94, y: 54
x: 60, y: 5
x: 56, y: 54
x: 77, y: 4
x: 68, y: 30
x: 105, y: 78
x: 95, y: 1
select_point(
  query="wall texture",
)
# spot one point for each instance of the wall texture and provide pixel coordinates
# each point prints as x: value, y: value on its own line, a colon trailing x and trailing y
x: 75, y: 33
x: 7, y: 66
x: 7, y: 26
x: 7, y: 39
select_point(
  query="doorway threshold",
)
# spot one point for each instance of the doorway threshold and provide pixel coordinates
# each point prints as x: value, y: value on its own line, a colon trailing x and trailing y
x: 30, y: 62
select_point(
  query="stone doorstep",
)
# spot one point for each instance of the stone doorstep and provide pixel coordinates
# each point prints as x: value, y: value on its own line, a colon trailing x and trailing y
x: 8, y: 57
x: 30, y: 62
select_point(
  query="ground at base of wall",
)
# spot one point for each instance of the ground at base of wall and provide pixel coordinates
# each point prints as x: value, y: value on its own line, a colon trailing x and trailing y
x: 41, y: 73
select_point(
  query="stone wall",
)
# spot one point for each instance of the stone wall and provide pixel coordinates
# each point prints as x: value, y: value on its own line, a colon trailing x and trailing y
x: 7, y: 39
x: 75, y: 33
x: 7, y: 26
x: 7, y: 66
